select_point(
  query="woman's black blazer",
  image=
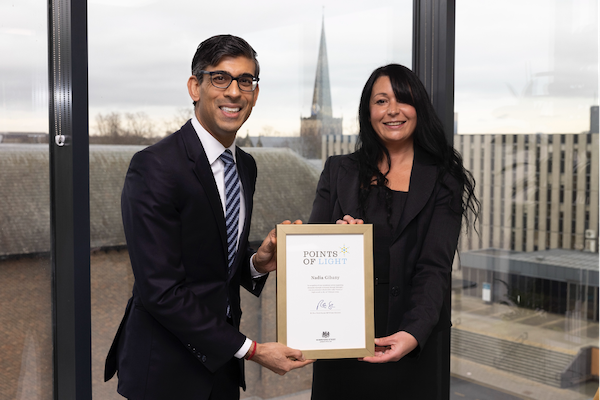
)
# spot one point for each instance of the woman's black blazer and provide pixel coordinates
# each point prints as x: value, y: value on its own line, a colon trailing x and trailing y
x: 422, y: 247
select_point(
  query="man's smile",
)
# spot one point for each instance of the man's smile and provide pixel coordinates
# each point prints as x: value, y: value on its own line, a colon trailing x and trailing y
x: 231, y: 109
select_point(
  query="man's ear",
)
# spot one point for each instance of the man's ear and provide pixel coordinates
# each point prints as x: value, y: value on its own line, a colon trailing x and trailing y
x: 194, y: 88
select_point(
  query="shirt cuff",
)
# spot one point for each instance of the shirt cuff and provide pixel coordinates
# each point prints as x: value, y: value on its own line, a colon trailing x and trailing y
x: 253, y: 272
x: 244, y: 349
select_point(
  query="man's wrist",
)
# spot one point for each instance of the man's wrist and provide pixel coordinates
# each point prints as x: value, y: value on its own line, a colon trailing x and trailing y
x: 241, y: 353
x: 251, y: 352
x: 253, y: 271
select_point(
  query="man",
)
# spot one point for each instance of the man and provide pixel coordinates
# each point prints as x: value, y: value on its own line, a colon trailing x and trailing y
x: 186, y: 205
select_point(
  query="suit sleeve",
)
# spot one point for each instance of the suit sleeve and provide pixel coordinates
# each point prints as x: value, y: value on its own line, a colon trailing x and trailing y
x: 153, y: 229
x: 252, y: 285
x: 325, y: 197
x: 430, y: 280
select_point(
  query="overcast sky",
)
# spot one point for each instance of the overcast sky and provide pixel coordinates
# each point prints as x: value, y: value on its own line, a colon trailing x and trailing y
x: 521, y: 66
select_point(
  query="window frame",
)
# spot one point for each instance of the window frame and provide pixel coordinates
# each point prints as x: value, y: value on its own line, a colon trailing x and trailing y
x: 433, y: 61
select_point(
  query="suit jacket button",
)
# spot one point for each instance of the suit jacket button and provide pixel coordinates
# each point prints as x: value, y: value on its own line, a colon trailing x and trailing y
x: 203, y: 358
x: 395, y: 291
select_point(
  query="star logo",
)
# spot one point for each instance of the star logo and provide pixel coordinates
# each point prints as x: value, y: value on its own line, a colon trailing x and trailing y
x: 344, y: 249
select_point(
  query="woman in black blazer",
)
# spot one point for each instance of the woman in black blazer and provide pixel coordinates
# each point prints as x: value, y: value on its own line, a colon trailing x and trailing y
x: 408, y: 181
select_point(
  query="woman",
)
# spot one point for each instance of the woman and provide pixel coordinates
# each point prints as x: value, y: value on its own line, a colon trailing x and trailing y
x: 408, y: 181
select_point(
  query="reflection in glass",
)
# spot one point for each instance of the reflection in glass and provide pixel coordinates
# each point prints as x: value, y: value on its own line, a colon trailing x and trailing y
x: 138, y: 94
x: 525, y: 292
x: 25, y: 271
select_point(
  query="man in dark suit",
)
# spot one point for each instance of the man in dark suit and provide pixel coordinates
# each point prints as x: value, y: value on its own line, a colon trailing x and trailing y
x: 186, y: 205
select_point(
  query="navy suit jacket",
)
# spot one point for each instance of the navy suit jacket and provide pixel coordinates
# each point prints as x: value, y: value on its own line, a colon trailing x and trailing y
x: 175, y: 333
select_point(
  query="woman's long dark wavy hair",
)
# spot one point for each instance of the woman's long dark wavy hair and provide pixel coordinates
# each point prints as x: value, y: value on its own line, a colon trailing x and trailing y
x: 428, y: 135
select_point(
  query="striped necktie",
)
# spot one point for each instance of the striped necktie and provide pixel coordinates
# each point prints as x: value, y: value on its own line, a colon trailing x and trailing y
x: 232, y: 206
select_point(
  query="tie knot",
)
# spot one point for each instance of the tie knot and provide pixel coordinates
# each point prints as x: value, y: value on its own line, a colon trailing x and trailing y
x: 227, y: 157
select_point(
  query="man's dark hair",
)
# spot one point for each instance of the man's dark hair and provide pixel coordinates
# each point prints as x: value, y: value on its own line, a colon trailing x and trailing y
x: 212, y: 50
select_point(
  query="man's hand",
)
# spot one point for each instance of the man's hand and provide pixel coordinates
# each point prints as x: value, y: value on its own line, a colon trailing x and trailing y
x: 393, y: 347
x: 279, y: 358
x: 265, y: 259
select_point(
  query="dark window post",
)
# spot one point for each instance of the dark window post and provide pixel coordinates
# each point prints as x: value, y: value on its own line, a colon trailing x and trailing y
x: 433, y: 55
x: 433, y: 62
x: 69, y: 198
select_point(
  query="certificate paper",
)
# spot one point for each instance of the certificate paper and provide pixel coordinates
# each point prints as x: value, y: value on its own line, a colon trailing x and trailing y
x: 325, y: 290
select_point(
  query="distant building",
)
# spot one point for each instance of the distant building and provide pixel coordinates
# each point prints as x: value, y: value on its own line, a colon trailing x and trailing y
x: 23, y: 137
x: 285, y: 187
x: 594, y: 120
x: 321, y: 121
x: 538, y: 191
x: 556, y: 281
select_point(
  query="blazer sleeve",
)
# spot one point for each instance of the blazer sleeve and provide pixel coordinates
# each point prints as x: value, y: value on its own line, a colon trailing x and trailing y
x: 152, y: 221
x: 430, y: 279
x: 325, y: 198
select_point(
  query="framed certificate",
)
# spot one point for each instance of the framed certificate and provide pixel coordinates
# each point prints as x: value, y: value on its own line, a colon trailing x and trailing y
x: 325, y: 290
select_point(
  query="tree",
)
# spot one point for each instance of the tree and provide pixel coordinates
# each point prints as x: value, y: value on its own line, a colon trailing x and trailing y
x: 181, y: 116
x: 139, y: 125
x: 134, y: 128
x: 109, y: 125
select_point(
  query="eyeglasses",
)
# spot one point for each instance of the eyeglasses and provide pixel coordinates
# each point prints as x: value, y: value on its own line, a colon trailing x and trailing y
x: 222, y: 80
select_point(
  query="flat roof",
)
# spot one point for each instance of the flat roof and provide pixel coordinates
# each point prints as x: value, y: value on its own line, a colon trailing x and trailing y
x: 554, y: 264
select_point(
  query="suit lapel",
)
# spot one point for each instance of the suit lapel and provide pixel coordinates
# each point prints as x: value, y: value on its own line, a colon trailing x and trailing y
x: 422, y: 182
x: 203, y: 171
x: 246, y: 182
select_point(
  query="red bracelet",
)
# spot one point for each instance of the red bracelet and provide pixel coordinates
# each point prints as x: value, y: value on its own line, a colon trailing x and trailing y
x: 253, y: 351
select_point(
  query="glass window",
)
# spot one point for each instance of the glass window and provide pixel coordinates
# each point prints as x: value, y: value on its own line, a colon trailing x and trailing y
x: 140, y: 54
x: 25, y: 271
x: 531, y: 75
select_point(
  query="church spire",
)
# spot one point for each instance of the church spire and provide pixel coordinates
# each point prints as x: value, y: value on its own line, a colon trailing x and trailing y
x: 321, y: 104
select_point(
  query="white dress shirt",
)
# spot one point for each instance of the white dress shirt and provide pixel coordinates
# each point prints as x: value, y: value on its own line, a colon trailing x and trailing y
x: 213, y: 149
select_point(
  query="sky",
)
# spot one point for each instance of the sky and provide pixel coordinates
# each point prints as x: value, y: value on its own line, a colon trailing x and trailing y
x: 521, y: 67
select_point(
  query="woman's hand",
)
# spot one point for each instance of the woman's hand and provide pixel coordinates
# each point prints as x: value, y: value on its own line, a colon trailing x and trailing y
x: 393, y: 347
x: 349, y: 220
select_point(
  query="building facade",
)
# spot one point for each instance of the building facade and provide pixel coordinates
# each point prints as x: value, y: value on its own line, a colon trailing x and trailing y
x: 538, y: 191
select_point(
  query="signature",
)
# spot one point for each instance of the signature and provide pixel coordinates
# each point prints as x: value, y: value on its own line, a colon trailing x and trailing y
x: 325, y: 305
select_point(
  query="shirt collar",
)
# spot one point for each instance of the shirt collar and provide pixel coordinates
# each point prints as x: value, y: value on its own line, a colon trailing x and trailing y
x: 212, y: 147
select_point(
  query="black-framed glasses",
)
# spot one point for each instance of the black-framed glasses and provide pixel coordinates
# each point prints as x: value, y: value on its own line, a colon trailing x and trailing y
x: 222, y: 80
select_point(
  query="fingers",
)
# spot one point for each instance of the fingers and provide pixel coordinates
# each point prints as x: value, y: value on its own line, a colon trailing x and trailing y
x: 296, y: 359
x: 288, y: 222
x: 384, y: 341
x: 300, y: 364
x: 295, y: 354
x: 279, y: 358
x: 379, y: 358
x: 348, y: 219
